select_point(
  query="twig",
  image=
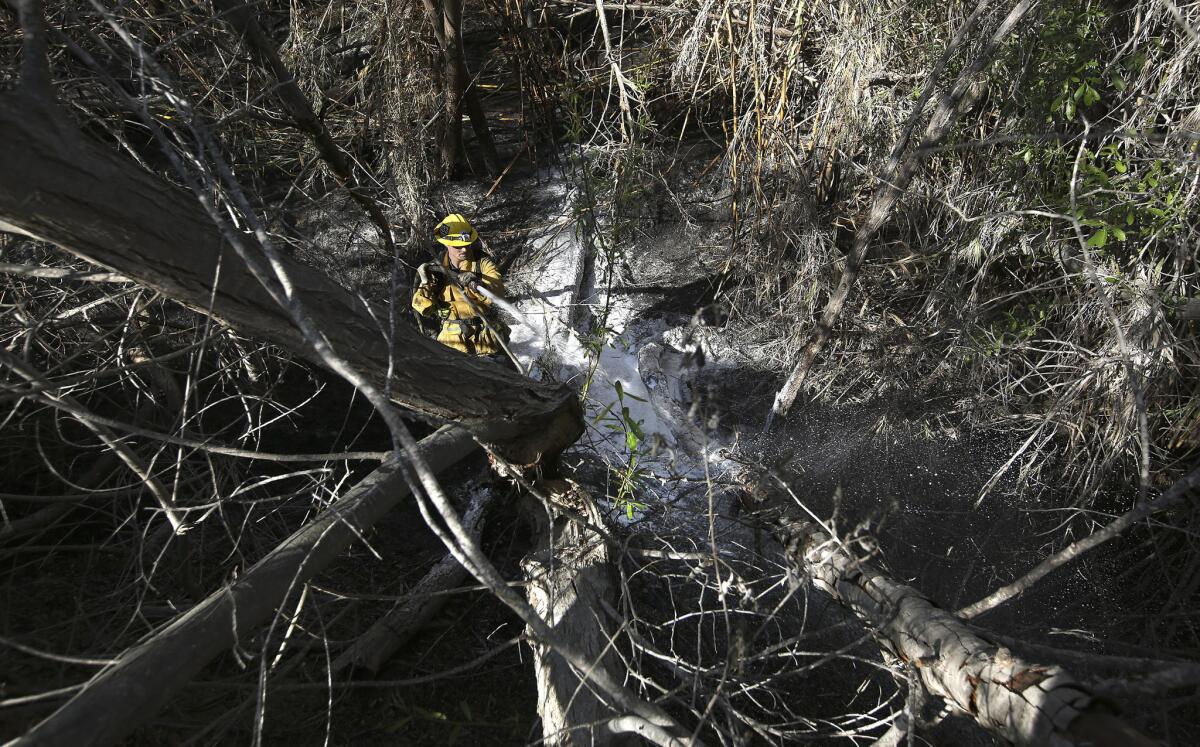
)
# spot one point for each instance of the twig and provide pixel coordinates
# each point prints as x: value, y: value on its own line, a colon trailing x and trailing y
x: 1174, y: 496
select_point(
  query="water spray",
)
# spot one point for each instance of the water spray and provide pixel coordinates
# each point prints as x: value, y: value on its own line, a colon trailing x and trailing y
x: 486, y: 292
x: 511, y: 310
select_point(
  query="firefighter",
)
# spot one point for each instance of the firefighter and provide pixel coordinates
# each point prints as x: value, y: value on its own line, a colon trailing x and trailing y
x: 449, y: 291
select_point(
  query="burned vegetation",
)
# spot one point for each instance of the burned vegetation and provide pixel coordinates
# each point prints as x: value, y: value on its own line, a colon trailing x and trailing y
x: 844, y: 386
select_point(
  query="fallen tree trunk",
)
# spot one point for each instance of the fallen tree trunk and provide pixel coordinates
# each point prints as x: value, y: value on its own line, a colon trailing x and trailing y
x: 60, y: 187
x: 567, y: 575
x: 147, y: 676
x: 1023, y: 702
x: 394, y: 630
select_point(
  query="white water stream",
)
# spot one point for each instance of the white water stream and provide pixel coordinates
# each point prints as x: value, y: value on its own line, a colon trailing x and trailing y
x: 557, y: 300
x: 513, y: 312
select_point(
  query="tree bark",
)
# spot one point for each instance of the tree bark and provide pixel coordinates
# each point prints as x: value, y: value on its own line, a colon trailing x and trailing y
x: 58, y: 186
x: 395, y: 629
x: 895, y: 180
x: 448, y: 32
x: 569, y: 580
x: 454, y: 72
x: 147, y: 676
x: 1022, y: 702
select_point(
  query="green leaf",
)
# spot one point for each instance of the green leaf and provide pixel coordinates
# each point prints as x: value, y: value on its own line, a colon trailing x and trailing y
x: 1120, y: 167
x: 1098, y: 175
x: 603, y: 412
x: 620, y: 389
x: 1099, y: 238
x: 1118, y: 233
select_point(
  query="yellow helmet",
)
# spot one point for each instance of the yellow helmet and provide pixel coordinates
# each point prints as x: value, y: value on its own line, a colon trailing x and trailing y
x: 455, y: 230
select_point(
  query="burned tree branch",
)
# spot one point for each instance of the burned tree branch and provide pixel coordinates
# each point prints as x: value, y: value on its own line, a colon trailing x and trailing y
x: 58, y: 273
x: 396, y: 628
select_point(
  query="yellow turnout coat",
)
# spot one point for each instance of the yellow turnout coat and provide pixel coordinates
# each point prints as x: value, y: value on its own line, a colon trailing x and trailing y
x: 462, y: 329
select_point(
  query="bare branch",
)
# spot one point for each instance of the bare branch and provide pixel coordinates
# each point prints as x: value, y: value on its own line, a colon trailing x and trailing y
x: 1174, y: 496
x: 35, y: 63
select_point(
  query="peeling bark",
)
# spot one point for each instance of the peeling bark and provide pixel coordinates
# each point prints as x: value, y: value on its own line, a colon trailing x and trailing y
x: 60, y: 187
x: 1021, y: 701
x: 568, y: 576
x: 147, y: 676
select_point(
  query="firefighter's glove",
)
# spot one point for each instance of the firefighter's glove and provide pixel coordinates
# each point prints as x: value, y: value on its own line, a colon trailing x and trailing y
x: 427, y: 273
x: 469, y: 280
